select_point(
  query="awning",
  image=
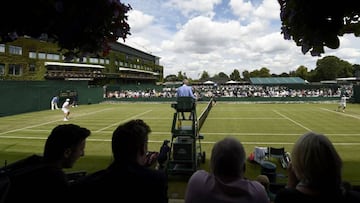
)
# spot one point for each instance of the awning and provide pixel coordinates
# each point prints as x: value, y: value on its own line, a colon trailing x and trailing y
x: 209, y: 82
x: 73, y: 65
x: 137, y: 70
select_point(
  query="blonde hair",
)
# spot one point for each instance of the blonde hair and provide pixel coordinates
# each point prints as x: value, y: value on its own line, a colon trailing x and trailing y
x: 316, y: 162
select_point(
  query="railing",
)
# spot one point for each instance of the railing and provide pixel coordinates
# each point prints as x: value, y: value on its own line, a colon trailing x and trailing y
x: 73, y: 74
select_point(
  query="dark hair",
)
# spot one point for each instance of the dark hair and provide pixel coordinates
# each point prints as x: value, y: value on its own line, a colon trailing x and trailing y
x: 228, y: 158
x: 128, y: 139
x: 61, y: 138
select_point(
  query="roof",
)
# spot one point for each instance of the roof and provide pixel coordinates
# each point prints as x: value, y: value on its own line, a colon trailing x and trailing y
x: 276, y: 80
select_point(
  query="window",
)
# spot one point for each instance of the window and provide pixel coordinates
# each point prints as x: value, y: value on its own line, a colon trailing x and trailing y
x: 2, y: 48
x: 102, y: 61
x: 107, y: 61
x: 2, y: 69
x: 32, y: 67
x: 94, y: 60
x: 15, y: 69
x: 32, y: 55
x: 15, y: 50
x: 42, y: 55
x: 53, y: 57
x: 81, y: 59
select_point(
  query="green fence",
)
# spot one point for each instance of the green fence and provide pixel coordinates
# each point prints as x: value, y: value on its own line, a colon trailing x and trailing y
x: 27, y: 96
x: 356, y: 93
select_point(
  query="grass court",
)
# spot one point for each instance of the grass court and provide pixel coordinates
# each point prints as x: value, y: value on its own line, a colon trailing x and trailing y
x: 253, y: 124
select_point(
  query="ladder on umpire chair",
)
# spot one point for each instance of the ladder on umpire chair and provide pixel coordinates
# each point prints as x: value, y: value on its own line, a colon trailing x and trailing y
x: 185, y: 154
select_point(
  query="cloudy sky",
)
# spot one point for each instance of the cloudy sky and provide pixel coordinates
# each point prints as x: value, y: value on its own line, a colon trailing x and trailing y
x: 193, y: 36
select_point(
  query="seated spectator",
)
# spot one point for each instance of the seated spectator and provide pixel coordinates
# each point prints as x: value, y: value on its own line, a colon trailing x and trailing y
x: 226, y: 181
x: 126, y: 178
x: 264, y: 180
x: 163, y: 154
x: 314, y: 174
x: 44, y: 180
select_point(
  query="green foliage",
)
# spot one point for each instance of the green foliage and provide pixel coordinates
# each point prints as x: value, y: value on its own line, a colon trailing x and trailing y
x: 80, y: 26
x: 331, y: 67
x: 235, y: 75
x: 204, y: 76
x: 315, y: 24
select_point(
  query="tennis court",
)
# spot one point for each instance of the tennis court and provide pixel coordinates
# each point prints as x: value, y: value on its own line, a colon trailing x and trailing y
x: 253, y: 124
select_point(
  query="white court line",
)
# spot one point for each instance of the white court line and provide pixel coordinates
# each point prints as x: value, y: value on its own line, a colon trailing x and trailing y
x: 54, y: 121
x: 202, y: 142
x: 308, y: 129
x: 220, y: 133
x: 263, y: 118
x: 341, y: 113
x: 117, y: 123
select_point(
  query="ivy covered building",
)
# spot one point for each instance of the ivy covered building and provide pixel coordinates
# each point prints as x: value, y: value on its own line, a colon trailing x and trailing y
x: 28, y: 59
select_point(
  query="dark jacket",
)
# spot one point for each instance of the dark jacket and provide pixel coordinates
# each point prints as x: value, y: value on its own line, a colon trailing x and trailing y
x: 294, y: 196
x: 120, y: 182
x: 38, y: 182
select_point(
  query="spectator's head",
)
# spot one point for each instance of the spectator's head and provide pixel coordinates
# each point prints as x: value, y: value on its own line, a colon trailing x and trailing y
x: 129, y: 141
x: 166, y: 142
x: 65, y: 144
x: 316, y: 162
x: 228, y: 159
x: 264, y: 180
x: 186, y: 81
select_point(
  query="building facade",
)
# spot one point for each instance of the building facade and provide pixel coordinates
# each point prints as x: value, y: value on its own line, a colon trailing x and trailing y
x: 28, y: 59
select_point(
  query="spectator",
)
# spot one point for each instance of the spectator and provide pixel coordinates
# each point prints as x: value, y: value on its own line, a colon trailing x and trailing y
x: 54, y: 103
x: 314, y: 174
x: 264, y: 180
x: 66, y: 109
x: 185, y: 91
x: 163, y: 154
x: 127, y: 177
x: 44, y: 180
x: 226, y: 182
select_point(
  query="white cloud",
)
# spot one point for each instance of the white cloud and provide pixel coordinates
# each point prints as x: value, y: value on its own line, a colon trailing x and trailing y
x: 139, y: 21
x: 241, y: 8
x: 188, y: 37
x: 194, y: 7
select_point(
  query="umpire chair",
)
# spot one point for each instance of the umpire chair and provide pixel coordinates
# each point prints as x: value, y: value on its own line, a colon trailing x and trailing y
x: 185, y: 153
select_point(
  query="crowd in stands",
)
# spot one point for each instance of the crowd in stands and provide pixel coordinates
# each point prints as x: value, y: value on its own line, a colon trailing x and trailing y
x: 236, y: 91
x: 314, y: 173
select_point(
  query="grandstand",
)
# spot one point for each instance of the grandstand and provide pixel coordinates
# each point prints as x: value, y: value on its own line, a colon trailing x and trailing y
x: 277, y: 80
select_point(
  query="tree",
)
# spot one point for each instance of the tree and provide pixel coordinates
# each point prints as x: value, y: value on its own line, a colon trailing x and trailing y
x: 235, y: 75
x: 302, y: 72
x: 356, y: 68
x: 181, y: 76
x: 331, y: 67
x: 170, y: 78
x: 284, y: 74
x: 223, y: 75
x: 263, y: 72
x: 80, y: 27
x: 220, y: 78
x: 246, y: 75
x: 313, y: 24
x: 204, y: 75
